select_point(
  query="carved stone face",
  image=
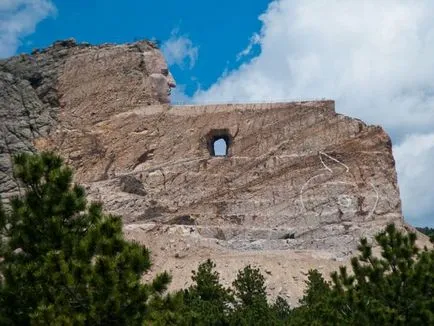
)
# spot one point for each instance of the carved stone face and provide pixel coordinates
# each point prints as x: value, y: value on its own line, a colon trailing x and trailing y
x: 161, y: 79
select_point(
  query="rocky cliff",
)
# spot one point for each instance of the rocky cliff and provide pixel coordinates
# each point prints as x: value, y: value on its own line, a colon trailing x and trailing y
x: 298, y: 186
x: 86, y: 82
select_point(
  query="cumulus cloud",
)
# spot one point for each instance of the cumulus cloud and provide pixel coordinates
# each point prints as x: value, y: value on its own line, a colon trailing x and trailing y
x: 414, y: 162
x: 254, y: 40
x: 375, y: 58
x: 179, y: 50
x: 18, y: 18
x: 179, y: 96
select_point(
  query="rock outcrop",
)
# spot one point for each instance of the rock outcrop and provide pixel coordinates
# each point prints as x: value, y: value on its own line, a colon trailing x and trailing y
x: 297, y: 176
x: 36, y: 90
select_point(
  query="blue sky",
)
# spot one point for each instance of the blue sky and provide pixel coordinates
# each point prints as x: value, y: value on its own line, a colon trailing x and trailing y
x: 374, y: 58
x: 220, y: 29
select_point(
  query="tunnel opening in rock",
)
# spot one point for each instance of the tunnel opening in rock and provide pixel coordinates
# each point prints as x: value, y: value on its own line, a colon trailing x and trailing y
x: 219, y: 141
x: 220, y: 147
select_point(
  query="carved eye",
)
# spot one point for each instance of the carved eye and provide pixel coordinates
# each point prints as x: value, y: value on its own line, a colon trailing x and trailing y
x: 165, y: 72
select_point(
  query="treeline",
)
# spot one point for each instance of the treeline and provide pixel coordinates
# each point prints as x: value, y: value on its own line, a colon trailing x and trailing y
x: 64, y: 262
x: 427, y: 231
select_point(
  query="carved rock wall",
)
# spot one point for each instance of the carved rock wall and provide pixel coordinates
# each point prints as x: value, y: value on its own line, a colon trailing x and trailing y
x: 297, y: 175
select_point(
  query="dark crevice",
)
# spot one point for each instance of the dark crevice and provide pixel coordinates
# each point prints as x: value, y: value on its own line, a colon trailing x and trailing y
x: 36, y: 80
x: 182, y: 220
x: 144, y: 157
x: 216, y: 135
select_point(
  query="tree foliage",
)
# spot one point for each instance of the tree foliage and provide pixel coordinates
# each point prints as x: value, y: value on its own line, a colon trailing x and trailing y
x: 63, y: 260
x: 251, y: 307
x: 395, y: 288
x: 207, y: 302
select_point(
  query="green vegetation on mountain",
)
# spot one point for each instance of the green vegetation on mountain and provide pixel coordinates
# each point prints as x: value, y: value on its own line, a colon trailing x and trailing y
x: 64, y: 262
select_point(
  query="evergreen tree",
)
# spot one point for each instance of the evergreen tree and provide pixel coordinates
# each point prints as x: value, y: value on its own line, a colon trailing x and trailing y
x: 315, y: 306
x: 63, y: 260
x: 207, y: 301
x: 252, y: 307
x: 395, y: 288
x: 316, y: 288
x: 281, y: 309
x: 168, y: 310
x: 250, y: 286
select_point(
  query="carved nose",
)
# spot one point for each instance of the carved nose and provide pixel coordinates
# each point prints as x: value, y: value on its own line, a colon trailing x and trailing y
x: 171, y: 81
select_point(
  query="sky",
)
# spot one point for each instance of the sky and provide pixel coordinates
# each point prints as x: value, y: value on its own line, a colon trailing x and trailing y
x: 374, y: 58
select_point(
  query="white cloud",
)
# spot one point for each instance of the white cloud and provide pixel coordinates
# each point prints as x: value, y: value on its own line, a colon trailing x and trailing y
x: 18, y: 18
x: 414, y: 162
x: 375, y: 58
x: 178, y: 95
x: 254, y: 40
x: 179, y: 50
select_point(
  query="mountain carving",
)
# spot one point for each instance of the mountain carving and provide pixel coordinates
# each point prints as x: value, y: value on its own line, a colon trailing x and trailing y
x: 299, y: 186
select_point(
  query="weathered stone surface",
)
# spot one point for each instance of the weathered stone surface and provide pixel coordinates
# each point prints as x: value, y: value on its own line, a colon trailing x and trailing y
x: 131, y: 185
x: 34, y: 94
x: 297, y: 175
x: 296, y: 168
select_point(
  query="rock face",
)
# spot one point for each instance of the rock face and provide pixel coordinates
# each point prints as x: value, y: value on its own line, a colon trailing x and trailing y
x: 296, y: 175
x: 36, y: 90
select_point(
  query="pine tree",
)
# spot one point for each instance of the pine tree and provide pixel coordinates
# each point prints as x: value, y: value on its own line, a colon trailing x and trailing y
x: 250, y: 286
x: 396, y: 288
x: 316, y: 288
x: 281, y: 309
x: 252, y: 307
x: 207, y: 301
x: 63, y: 260
x: 316, y: 306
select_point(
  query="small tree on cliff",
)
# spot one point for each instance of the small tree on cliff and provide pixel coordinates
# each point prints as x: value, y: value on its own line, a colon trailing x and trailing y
x: 207, y: 301
x: 62, y: 260
x: 251, y: 299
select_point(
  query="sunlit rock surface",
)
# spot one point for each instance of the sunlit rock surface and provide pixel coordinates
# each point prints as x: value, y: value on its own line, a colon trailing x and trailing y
x: 297, y: 188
